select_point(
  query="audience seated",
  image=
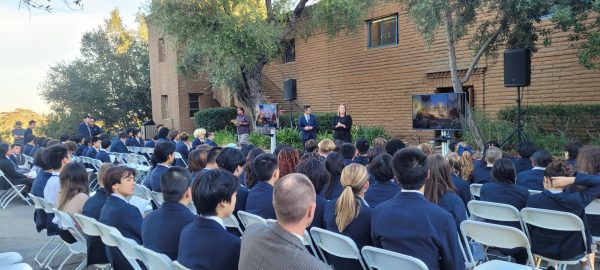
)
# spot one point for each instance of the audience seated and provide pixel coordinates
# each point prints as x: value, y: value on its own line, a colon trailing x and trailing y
x: 205, y: 243
x: 334, y: 163
x: 162, y: 160
x: 96, y: 250
x: 318, y: 176
x: 350, y: 214
x: 572, y: 150
x: 526, y: 149
x: 482, y: 163
x: 73, y: 194
x: 200, y: 135
x: 379, y: 142
x: 482, y: 175
x: 119, y: 145
x: 78, y: 139
x: 56, y: 157
x: 373, y: 153
x: 16, y: 156
x: 426, y: 148
x: 37, y: 189
x: 151, y: 143
x: 412, y: 225
x: 118, y: 213
x: 260, y: 197
x: 173, y: 137
x: 311, y: 146
x: 136, y: 139
x: 95, y: 145
x: 161, y: 228
x: 393, y: 145
x: 182, y: 147
x: 197, y: 162
x: 462, y: 186
x: 232, y: 160
x: 210, y: 139
x: 348, y: 151
x: 162, y: 135
x: 29, y: 144
x: 588, y: 161
x: 326, y: 146
x: 103, y: 154
x: 279, y: 245
x: 71, y: 147
x: 288, y: 159
x: 10, y: 171
x: 248, y: 176
x: 534, y: 178
x: 211, y: 158
x: 382, y: 186
x: 362, y: 147
x: 440, y: 189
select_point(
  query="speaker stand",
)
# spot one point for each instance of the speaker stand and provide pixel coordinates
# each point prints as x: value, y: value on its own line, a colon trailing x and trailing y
x: 518, y: 124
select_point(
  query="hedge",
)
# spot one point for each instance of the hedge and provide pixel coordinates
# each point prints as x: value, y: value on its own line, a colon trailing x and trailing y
x: 214, y: 119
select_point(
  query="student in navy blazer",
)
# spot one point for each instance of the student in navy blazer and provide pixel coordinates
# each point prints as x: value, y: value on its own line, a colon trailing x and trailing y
x: 523, y: 161
x: 96, y: 250
x: 483, y: 175
x: 534, y: 178
x: 210, y: 139
x: 232, y: 160
x: 412, y: 225
x: 307, y: 124
x: 162, y: 227
x: 350, y: 215
x: 119, y: 145
x: 182, y: 148
x: 383, y: 187
x: 84, y: 129
x: 334, y: 163
x: 205, y: 243
x: 92, y: 151
x: 556, y: 244
x: 462, y: 186
x: 260, y: 197
x: 103, y: 154
x: 317, y: 174
x: 150, y: 143
x: 118, y: 213
x: 162, y: 159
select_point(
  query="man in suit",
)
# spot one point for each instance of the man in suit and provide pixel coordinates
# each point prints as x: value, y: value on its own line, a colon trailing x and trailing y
x: 260, y: 198
x: 162, y: 228
x: 525, y: 150
x: 412, y: 225
x: 31, y: 127
x: 483, y: 175
x: 10, y: 170
x: 181, y: 147
x: 163, y: 155
x: 96, y: 250
x: 29, y: 144
x: 232, y: 160
x: 84, y: 128
x: 95, y: 146
x: 135, y: 139
x: 96, y: 130
x: 279, y: 245
x: 78, y: 139
x: 307, y: 123
x: 534, y: 178
x: 16, y: 156
x: 119, y: 145
x: 103, y: 154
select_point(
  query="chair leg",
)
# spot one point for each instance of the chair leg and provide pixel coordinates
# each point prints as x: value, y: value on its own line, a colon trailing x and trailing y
x: 51, y: 258
x: 45, y: 262
x: 82, y: 265
x: 65, y: 261
x: 39, y: 252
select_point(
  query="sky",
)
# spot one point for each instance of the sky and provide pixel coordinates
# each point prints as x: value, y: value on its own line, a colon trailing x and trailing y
x: 31, y: 41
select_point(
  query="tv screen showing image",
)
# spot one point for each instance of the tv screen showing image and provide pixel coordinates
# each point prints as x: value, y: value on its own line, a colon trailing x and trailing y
x: 267, y: 116
x: 438, y: 111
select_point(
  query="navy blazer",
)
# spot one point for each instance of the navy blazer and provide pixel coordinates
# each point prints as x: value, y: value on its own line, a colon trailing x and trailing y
x: 152, y: 181
x: 362, y: 160
x: 240, y: 199
x: 27, y: 149
x: 162, y: 228
x: 522, y: 164
x: 118, y: 147
x: 359, y: 230
x: 511, y: 194
x: 260, y: 200
x: 452, y: 203
x: 128, y: 220
x: 96, y: 130
x: 196, y: 142
x: 336, y: 188
x: 482, y: 175
x: 410, y: 224
x: 318, y: 220
x: 205, y: 244
x: 182, y: 149
x: 302, y: 123
x: 103, y: 156
x: 37, y: 189
x: 79, y: 151
x: 379, y: 192
x: 531, y: 179
x: 211, y: 143
x: 131, y: 141
x: 463, y: 190
x: 91, y: 152
x: 84, y: 130
x: 96, y: 250
x: 564, y: 245
x: 149, y: 143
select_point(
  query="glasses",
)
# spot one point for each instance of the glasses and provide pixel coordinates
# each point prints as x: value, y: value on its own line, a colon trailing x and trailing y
x: 129, y: 177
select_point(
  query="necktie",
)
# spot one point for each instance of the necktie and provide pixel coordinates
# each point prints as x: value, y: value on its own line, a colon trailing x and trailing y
x: 307, y: 118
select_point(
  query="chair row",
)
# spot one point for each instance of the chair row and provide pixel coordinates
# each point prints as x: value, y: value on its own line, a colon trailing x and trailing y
x: 13, y: 191
x: 476, y: 191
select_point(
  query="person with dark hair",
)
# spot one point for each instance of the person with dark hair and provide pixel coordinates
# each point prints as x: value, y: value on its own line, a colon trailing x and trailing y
x: 211, y: 158
x: 96, y: 250
x: 29, y: 141
x: 428, y: 232
x: 136, y: 138
x: 260, y: 197
x: 78, y: 139
x: 242, y: 124
x: 183, y: 148
x: 152, y: 142
x: 525, y: 149
x: 18, y: 133
x: 56, y: 157
x: 51, y: 142
x: 163, y: 133
x: 203, y: 242
x: 392, y: 146
x: 348, y: 150
x: 534, y: 178
x: 381, y: 179
x: 248, y: 176
x: 362, y: 147
x: 232, y: 160
x: 440, y: 189
x: 311, y: 146
x: 86, y: 146
x: 64, y: 138
x: 84, y: 128
x: 318, y: 176
x: 118, y: 213
x: 572, y: 149
x: 279, y: 245
x: 373, y: 153
x: 245, y: 149
x: 482, y: 163
x: 210, y: 139
x: 95, y: 145
x: 104, y: 136
x: 288, y: 159
x: 562, y: 245
x: 96, y: 130
x: 342, y: 125
x: 162, y: 160
x: 71, y: 146
x: 483, y: 175
x: 103, y: 154
x: 10, y: 170
x: 30, y: 128
x: 37, y: 189
x: 197, y: 162
x: 16, y: 156
x: 173, y: 137
x: 119, y: 145
x: 307, y: 124
x: 161, y: 228
x: 334, y: 163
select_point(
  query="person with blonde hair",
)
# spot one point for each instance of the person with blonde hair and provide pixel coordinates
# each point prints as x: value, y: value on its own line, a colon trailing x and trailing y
x: 462, y: 186
x: 379, y: 142
x: 426, y: 148
x: 200, y: 135
x: 350, y: 215
x: 326, y: 146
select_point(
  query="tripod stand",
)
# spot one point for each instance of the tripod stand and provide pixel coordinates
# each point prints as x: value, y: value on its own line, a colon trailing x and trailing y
x: 518, y: 124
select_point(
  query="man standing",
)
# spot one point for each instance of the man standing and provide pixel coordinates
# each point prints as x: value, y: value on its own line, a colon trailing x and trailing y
x: 242, y: 122
x: 307, y: 123
x: 96, y: 130
x: 18, y: 133
x: 84, y: 127
x: 29, y: 130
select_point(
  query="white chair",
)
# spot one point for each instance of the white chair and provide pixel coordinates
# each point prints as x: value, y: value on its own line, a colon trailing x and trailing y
x: 177, y: 155
x: 335, y: 244
x: 48, y: 209
x: 8, y: 258
x: 248, y: 219
x: 17, y: 266
x: 475, y: 191
x: 157, y: 197
x: 96, y: 164
x: 533, y: 192
x: 38, y: 203
x: 179, y: 266
x: 495, y: 211
x: 142, y: 192
x: 129, y: 249
x: 79, y: 247
x: 382, y: 259
x: 29, y: 159
x: 496, y: 236
x: 154, y: 260
x: 107, y: 234
x: 232, y: 222
x: 593, y: 209
x: 556, y: 221
x: 11, y: 193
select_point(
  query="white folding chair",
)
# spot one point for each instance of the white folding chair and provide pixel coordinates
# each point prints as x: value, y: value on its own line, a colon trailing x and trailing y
x: 11, y: 193
x: 8, y: 258
x: 495, y: 211
x: 48, y: 209
x: 179, y: 266
x: 154, y: 260
x: 96, y: 164
x: 17, y: 266
x: 79, y: 247
x: 107, y: 234
x: 533, y: 192
x: 157, y: 197
x: 248, y: 219
x: 496, y: 236
x: 556, y: 221
x: 177, y: 155
x: 335, y: 244
x: 593, y: 209
x: 475, y: 191
x: 382, y: 259
x: 232, y: 222
x: 38, y: 203
x: 142, y: 192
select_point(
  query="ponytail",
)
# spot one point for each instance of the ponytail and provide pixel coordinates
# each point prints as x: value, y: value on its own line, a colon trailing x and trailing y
x: 347, y: 206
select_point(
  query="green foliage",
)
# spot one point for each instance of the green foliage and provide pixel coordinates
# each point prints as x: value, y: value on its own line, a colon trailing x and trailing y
x: 225, y: 137
x: 368, y: 133
x: 289, y: 137
x: 8, y: 119
x: 260, y: 140
x: 110, y: 80
x: 324, y: 120
x: 324, y: 135
x: 216, y: 118
x: 60, y: 123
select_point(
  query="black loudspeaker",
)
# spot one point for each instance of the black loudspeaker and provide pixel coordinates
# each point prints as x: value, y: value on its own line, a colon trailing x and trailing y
x: 517, y: 67
x: 289, y: 89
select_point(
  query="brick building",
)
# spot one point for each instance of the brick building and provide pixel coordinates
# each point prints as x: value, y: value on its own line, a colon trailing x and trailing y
x: 376, y: 71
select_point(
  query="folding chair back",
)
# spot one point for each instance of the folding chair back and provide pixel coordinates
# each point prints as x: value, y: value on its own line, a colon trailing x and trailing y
x: 142, y: 192
x: 96, y: 164
x: 382, y: 259
x: 248, y: 219
x: 335, y: 244
x: 475, y: 191
x: 37, y: 201
x: 593, y: 208
x: 106, y: 234
x: 11, y: 193
x: 177, y: 155
x: 178, y: 266
x: 87, y: 225
x: 157, y: 197
x: 533, y: 192
x: 495, y: 211
x: 67, y: 223
x: 29, y: 159
x: 232, y: 222
x: 154, y: 260
x: 129, y: 249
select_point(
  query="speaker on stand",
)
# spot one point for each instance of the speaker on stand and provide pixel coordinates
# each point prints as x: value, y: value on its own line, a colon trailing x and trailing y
x: 289, y: 94
x: 517, y: 73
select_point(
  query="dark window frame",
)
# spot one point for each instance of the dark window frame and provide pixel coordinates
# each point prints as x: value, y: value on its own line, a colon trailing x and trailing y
x: 381, y: 19
x: 192, y: 111
x: 289, y: 51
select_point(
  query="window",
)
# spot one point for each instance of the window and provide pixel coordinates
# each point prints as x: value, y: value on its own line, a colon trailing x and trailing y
x: 383, y: 32
x: 290, y: 51
x: 194, y: 103
x: 164, y: 106
x: 161, y: 50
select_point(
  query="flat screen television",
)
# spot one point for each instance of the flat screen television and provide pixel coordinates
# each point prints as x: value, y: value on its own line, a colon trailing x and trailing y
x: 438, y: 111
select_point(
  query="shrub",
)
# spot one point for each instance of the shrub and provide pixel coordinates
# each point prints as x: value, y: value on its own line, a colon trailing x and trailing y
x: 224, y: 137
x: 368, y: 133
x: 214, y: 119
x: 289, y: 137
x: 324, y: 120
x: 324, y: 135
x: 260, y: 140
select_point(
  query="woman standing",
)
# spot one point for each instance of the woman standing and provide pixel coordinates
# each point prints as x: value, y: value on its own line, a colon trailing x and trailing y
x: 342, y: 125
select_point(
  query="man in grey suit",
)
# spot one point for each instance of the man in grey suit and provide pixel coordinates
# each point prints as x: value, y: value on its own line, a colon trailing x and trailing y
x: 279, y: 245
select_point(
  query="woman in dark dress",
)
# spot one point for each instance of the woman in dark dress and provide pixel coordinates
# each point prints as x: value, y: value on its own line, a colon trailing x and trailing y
x: 342, y: 125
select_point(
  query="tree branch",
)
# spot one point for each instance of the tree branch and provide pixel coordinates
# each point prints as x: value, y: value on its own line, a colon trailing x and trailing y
x: 291, y: 26
x: 270, y: 14
x: 482, y: 50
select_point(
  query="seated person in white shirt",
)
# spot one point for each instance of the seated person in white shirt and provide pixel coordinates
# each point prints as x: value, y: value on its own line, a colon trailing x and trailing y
x: 56, y: 157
